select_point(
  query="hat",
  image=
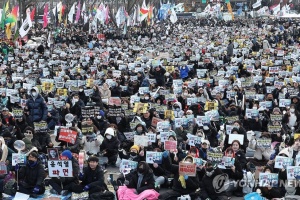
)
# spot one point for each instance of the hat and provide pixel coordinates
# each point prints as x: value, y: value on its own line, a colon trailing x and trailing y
x: 34, y: 154
x: 93, y: 158
x: 67, y: 153
x: 206, y: 142
x: 110, y: 131
x: 4, y: 109
x: 101, y: 113
x: 189, y: 112
x: 136, y: 147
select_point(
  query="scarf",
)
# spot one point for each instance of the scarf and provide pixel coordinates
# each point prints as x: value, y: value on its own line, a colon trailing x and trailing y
x: 141, y: 176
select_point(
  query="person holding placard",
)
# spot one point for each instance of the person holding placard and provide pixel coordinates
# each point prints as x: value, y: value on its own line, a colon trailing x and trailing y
x: 239, y: 154
x: 237, y: 130
x: 31, y: 176
x: 110, y: 146
x: 182, y: 184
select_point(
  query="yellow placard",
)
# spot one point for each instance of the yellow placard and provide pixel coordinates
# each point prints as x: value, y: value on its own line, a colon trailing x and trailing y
x: 47, y: 86
x: 169, y: 114
x: 140, y: 108
x: 89, y: 82
x: 210, y: 106
x: 62, y: 92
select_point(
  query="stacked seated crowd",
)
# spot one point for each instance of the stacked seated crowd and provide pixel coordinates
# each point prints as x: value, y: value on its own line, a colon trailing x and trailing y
x: 235, y: 88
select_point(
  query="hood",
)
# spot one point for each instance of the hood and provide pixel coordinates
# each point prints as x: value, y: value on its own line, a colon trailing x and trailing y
x: 2, y: 142
x: 190, y: 157
x: 146, y: 167
x: 235, y: 130
x: 284, y: 151
x: 178, y: 104
x: 110, y: 131
x: 36, y: 89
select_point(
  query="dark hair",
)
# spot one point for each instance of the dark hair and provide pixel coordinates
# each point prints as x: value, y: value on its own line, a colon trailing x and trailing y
x: 236, y: 142
x: 34, y: 154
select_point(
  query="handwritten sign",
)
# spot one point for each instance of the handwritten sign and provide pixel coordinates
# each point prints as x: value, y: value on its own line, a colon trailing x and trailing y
x: 67, y: 135
x: 188, y: 169
x: 170, y: 145
x: 141, y: 140
x: 60, y: 168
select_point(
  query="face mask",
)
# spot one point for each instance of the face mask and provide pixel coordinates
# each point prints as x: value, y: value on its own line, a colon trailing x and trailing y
x: 34, y: 94
x: 75, y: 100
x: 254, y: 108
x: 99, y: 117
x: 133, y: 154
x: 185, y: 93
x: 139, y: 130
x: 80, y: 90
x: 292, y: 110
x: 146, y: 98
x: 260, y: 84
x: 205, y: 128
x: 31, y: 162
x: 108, y: 137
x: 141, y: 170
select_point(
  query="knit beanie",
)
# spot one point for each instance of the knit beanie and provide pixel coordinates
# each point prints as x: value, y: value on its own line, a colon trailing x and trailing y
x: 67, y: 153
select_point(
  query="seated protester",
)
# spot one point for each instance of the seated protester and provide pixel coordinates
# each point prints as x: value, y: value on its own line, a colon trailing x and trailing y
x: 140, y: 179
x: 159, y: 172
x: 76, y: 106
x: 134, y: 154
x: 181, y: 135
x: 239, y: 154
x: 52, y: 117
x: 100, y: 122
x: 177, y: 154
x: 41, y: 141
x: 91, y: 143
x: 9, y: 140
x: 74, y: 148
x: 206, y: 184
x: 268, y: 191
x: 110, y: 145
x: 205, y: 145
x: 182, y: 185
x: 21, y: 124
x: 261, y: 152
x: 31, y: 176
x: 252, y: 124
x: 237, y: 130
x: 63, y: 185
x: 140, y: 129
x: 92, y: 179
x: 124, y: 143
x: 7, y: 119
x: 235, y: 172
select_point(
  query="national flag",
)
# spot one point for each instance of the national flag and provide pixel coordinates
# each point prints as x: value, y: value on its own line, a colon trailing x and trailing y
x: 45, y: 16
x: 257, y: 4
x: 77, y: 13
x: 230, y: 10
x: 13, y: 16
x: 150, y: 15
x: 144, y: 11
x: 4, y: 11
x: 26, y: 25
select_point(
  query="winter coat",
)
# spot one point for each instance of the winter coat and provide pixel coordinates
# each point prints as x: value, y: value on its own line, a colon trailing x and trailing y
x: 239, y: 131
x: 41, y: 141
x: 184, y: 72
x: 146, y: 184
x: 230, y: 49
x: 33, y: 176
x: 206, y: 186
x: 37, y: 109
x: 111, y: 146
x: 93, y: 177
x: 238, y: 174
x: 92, y: 146
x: 74, y: 178
x: 241, y: 158
x: 159, y: 76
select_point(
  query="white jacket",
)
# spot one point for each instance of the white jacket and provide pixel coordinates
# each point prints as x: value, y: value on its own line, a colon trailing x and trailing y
x: 93, y: 146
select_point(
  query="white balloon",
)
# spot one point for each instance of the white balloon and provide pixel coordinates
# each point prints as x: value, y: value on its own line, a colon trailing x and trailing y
x: 69, y: 117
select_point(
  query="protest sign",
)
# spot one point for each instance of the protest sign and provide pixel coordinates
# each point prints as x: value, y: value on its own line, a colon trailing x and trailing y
x: 141, y: 140
x: 163, y: 125
x: 153, y: 157
x: 87, y: 129
x: 293, y: 172
x: 214, y: 157
x: 18, y: 159
x: 268, y: 179
x: 114, y: 101
x: 164, y: 136
x: 263, y: 143
x: 127, y: 165
x: 194, y: 140
x: 226, y: 162
x: 115, y: 112
x: 170, y: 145
x: 199, y: 161
x: 3, y: 168
x: 151, y: 137
x: 238, y: 137
x: 40, y: 127
x: 60, y: 168
x: 188, y: 169
x: 129, y: 135
x: 274, y: 129
x: 18, y: 113
x: 297, y: 160
x: 283, y: 162
x: 155, y: 120
x: 67, y: 135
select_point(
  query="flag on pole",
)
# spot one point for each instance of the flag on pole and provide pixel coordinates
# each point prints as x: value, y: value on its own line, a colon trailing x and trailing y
x: 150, y: 15
x: 8, y: 31
x: 107, y: 15
x: 71, y: 13
x: 230, y: 10
x: 27, y: 24
x: 78, y: 13
x: 45, y: 16
x: 56, y: 16
x: 4, y: 11
x: 57, y: 7
x: 32, y: 14
x: 173, y: 16
x: 144, y: 11
x: 12, y: 17
x: 276, y: 9
x: 257, y: 4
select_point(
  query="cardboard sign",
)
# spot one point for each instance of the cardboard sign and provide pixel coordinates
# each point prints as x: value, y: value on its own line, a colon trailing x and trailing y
x: 141, y: 140
x: 188, y: 169
x: 18, y: 159
x: 60, y: 168
x: 170, y: 145
x: 292, y: 172
x: 67, y: 135
x: 3, y: 168
x: 154, y: 157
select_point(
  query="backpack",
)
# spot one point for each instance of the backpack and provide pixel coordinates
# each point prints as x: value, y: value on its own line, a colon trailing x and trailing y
x: 106, y: 195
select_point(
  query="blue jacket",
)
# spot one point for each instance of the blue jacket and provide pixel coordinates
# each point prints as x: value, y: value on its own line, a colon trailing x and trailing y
x: 184, y: 72
x: 37, y: 109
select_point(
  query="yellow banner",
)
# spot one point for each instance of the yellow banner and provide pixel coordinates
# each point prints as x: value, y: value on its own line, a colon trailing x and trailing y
x: 90, y: 82
x: 140, y: 108
x: 47, y: 87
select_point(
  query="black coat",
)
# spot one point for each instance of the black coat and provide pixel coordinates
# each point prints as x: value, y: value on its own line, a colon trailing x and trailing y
x: 147, y: 182
x: 37, y: 109
x: 75, y: 178
x: 207, y: 188
x: 33, y: 176
x: 93, y: 177
x: 111, y: 146
x: 238, y: 174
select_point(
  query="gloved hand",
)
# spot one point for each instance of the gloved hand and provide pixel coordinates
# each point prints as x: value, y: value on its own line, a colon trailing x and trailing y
x: 36, y: 189
x: 126, y: 182
x: 165, y: 154
x: 81, y: 175
x: 17, y: 167
x: 186, y: 177
x: 86, y: 188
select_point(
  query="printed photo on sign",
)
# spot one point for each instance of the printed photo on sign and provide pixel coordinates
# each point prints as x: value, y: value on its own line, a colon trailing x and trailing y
x: 283, y: 162
x: 18, y: 159
x: 268, y: 179
x: 127, y: 164
x: 53, y: 154
x: 293, y: 172
x: 154, y: 157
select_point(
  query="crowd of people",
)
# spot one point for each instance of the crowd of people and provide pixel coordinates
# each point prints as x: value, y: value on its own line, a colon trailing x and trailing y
x: 225, y: 93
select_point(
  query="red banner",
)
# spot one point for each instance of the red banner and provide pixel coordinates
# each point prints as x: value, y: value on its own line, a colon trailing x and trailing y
x: 170, y: 145
x: 188, y: 169
x: 67, y: 135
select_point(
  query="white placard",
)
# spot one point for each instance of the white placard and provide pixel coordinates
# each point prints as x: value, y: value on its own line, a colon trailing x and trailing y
x: 238, y: 137
x: 60, y: 168
x: 141, y: 140
x: 18, y: 159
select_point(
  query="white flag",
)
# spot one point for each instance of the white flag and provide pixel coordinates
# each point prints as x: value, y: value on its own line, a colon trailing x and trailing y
x: 27, y: 24
x: 257, y: 4
x: 58, y: 6
x: 71, y: 13
x: 276, y: 9
x: 173, y: 16
x: 118, y: 17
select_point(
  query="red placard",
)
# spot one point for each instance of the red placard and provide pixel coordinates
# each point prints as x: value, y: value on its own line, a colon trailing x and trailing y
x: 188, y: 169
x: 170, y: 145
x: 67, y: 135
